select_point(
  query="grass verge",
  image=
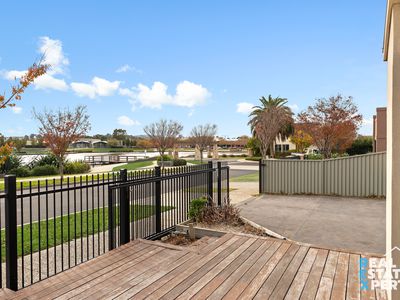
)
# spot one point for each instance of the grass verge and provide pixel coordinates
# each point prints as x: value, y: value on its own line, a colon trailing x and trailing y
x: 134, y: 165
x: 252, y: 177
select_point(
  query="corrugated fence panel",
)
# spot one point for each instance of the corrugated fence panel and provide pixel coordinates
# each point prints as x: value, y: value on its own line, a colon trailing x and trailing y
x: 356, y: 176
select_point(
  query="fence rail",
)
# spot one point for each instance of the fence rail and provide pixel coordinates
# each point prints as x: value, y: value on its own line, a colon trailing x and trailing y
x: 50, y: 226
x: 355, y: 176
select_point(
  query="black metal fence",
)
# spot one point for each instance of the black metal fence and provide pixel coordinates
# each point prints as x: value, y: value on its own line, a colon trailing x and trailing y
x: 48, y: 226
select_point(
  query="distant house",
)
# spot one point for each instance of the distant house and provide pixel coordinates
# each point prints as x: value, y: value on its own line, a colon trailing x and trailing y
x: 89, y: 143
x: 379, y: 130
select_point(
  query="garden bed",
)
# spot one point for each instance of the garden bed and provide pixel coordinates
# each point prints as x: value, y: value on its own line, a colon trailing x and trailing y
x: 217, y: 230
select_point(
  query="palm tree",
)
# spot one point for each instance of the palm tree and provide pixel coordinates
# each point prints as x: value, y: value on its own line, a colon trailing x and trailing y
x: 269, y: 120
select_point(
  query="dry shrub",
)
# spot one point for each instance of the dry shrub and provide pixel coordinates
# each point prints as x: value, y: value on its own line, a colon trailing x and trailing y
x: 225, y: 214
x: 178, y: 240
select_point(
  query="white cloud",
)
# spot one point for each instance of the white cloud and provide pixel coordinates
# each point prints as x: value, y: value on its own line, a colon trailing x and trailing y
x: 294, y: 107
x: 188, y: 94
x: 53, y: 55
x: 190, y: 113
x: 12, y: 75
x: 126, y: 121
x: 47, y: 81
x: 244, y: 107
x: 128, y: 68
x: 16, y: 109
x: 98, y: 87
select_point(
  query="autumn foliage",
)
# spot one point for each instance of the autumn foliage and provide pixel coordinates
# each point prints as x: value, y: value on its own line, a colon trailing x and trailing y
x: 332, y: 123
x: 5, y: 152
x: 36, y: 70
x: 60, y: 129
x: 301, y: 139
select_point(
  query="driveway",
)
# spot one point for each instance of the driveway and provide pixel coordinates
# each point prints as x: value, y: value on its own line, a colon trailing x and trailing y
x: 335, y: 222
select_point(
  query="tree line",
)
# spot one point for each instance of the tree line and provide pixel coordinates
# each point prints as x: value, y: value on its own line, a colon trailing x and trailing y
x: 330, y: 124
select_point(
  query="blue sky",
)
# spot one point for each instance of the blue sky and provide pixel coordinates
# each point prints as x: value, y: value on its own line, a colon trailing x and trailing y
x: 134, y: 62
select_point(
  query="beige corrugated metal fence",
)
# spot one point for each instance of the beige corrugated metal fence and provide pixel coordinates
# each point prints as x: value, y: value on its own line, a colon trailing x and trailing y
x: 358, y: 176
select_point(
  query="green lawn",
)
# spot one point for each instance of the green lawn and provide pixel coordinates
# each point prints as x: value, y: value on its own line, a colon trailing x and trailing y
x: 134, y: 165
x: 252, y: 177
x: 87, y: 223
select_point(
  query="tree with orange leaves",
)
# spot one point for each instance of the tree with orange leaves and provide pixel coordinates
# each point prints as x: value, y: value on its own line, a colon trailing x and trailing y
x: 332, y: 123
x: 33, y: 72
x: 60, y: 129
x: 301, y: 139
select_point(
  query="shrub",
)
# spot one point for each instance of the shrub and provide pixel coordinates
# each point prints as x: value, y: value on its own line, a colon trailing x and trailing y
x: 77, y: 167
x: 179, y: 162
x: 12, y: 162
x: 337, y: 155
x: 46, y: 160
x: 243, y: 155
x: 44, y: 170
x: 209, y: 156
x: 164, y: 158
x: 225, y: 214
x: 224, y: 155
x: 315, y: 156
x: 196, y: 208
x: 20, y: 172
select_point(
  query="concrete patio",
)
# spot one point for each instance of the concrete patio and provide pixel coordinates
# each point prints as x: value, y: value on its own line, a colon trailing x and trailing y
x: 335, y: 222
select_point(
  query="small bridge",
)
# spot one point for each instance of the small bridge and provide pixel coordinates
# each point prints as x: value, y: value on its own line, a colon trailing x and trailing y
x: 112, y: 159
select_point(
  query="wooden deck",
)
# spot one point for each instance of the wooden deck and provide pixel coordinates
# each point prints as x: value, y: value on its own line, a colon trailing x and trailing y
x: 230, y: 267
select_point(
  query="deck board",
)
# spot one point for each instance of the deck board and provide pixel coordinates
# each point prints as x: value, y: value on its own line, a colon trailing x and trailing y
x: 233, y: 266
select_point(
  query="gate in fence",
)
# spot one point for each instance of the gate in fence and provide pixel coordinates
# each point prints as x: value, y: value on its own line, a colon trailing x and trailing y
x: 48, y: 226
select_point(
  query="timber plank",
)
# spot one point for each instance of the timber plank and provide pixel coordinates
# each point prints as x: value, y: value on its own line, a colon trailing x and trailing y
x: 311, y: 287
x: 112, y: 278
x: 287, y: 278
x: 69, y: 277
x: 118, y: 283
x: 340, y: 280
x: 189, y: 266
x: 244, y: 281
x: 178, y: 285
x: 301, y: 277
x: 326, y: 284
x: 269, y: 285
x: 353, y: 281
x: 219, y: 277
x: 251, y: 290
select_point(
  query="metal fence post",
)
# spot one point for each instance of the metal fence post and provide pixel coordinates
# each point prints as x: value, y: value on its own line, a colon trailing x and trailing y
x: 227, y: 185
x: 210, y: 182
x: 219, y: 184
x: 111, y: 221
x: 11, y: 232
x: 157, y: 172
x: 124, y: 232
x: 260, y: 178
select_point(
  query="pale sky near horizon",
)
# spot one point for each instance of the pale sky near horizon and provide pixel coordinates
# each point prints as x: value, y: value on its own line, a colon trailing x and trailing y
x: 134, y: 62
